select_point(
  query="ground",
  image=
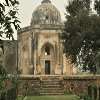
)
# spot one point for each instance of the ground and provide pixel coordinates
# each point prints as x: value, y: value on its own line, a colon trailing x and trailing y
x: 67, y: 97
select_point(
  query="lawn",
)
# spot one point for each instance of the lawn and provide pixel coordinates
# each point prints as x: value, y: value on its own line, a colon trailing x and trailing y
x: 67, y: 97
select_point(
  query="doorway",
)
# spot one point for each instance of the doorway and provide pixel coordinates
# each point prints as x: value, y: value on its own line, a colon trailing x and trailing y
x: 47, y: 67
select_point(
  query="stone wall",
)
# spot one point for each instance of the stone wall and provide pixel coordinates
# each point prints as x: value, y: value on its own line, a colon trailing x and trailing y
x: 10, y: 56
x: 83, y: 85
x: 71, y: 84
x: 29, y: 86
x: 79, y: 84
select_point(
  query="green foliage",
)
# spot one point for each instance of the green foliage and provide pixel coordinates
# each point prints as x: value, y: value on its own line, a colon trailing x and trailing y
x: 75, y: 6
x: 10, y: 94
x: 9, y: 22
x: 97, y: 6
x: 82, y: 34
x: 68, y: 92
x: 3, y: 77
x: 92, y: 90
x: 7, y: 92
x: 85, y: 97
x: 8, y: 18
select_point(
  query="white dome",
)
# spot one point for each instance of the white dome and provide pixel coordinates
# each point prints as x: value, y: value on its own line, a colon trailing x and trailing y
x: 46, y: 13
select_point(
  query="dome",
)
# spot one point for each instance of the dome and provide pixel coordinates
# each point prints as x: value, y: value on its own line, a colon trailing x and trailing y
x: 46, y: 13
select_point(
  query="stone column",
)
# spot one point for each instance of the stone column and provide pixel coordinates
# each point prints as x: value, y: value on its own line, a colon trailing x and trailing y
x: 30, y: 56
x: 35, y: 53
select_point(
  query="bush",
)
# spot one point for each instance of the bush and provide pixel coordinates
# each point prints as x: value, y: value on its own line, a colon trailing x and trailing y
x: 9, y: 94
x: 3, y: 96
x: 85, y: 97
x: 93, y: 88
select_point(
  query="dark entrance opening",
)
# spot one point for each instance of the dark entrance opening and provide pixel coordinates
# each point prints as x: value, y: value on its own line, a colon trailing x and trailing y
x: 47, y: 67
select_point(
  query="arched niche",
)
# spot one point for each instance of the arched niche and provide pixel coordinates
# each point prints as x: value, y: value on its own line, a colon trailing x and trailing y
x: 47, y: 50
x: 47, y: 58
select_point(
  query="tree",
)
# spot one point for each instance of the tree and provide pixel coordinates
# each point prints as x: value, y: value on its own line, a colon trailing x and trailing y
x: 8, y: 18
x: 81, y: 34
x: 97, y: 6
x: 9, y: 22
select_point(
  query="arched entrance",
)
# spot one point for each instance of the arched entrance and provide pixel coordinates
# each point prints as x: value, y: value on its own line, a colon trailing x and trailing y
x: 47, y: 67
x: 47, y: 58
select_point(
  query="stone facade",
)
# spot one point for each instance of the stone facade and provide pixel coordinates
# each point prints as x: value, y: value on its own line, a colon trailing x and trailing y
x: 40, y: 48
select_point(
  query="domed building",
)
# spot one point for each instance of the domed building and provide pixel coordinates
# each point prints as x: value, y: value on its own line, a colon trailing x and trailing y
x: 40, y: 48
x: 46, y: 13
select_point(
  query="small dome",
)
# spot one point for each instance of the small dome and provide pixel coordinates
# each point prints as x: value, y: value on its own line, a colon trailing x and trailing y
x: 46, y: 13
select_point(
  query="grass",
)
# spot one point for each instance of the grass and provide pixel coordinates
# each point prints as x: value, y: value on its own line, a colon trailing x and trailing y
x: 66, y: 97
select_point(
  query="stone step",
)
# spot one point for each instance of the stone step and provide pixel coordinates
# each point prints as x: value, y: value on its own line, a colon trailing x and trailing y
x: 35, y: 84
x: 36, y: 88
x: 51, y: 93
x: 42, y: 91
x: 46, y: 84
x: 50, y: 77
x: 51, y: 88
x: 50, y: 82
x: 51, y: 85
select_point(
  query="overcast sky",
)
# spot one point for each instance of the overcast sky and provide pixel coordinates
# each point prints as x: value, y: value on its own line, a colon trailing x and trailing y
x: 27, y: 7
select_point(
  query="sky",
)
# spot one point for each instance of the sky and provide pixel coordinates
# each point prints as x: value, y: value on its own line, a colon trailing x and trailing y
x: 27, y: 7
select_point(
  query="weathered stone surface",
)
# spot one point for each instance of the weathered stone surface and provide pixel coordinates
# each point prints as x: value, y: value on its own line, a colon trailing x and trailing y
x: 29, y: 86
x: 40, y: 45
x: 10, y: 56
x: 46, y: 13
x: 46, y: 85
x: 39, y: 50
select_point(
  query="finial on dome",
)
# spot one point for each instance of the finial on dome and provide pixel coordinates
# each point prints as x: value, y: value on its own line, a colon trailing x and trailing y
x: 46, y: 1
